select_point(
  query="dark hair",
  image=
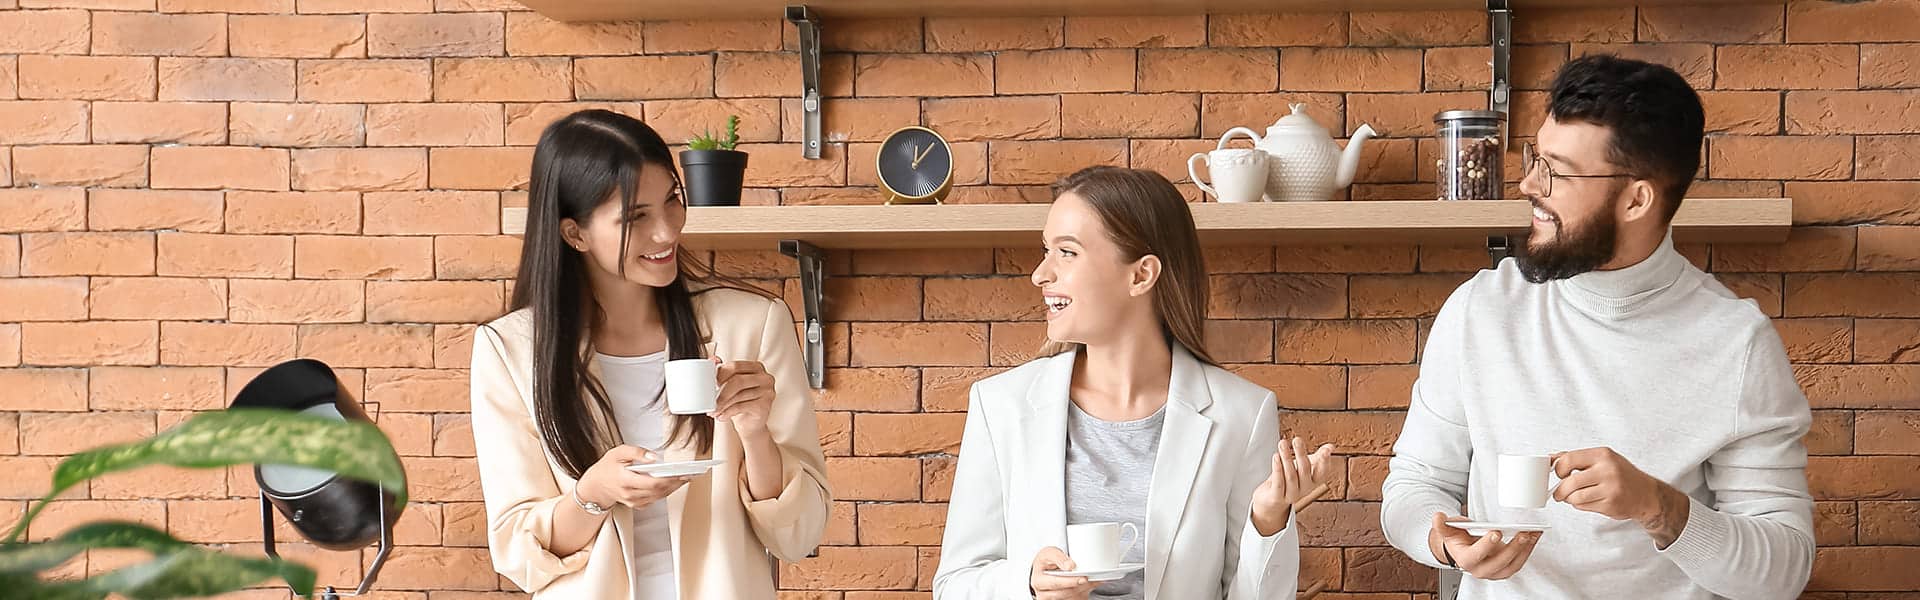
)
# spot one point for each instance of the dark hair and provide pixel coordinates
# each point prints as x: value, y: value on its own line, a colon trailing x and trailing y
x: 1144, y: 214
x: 582, y: 161
x: 1654, y: 115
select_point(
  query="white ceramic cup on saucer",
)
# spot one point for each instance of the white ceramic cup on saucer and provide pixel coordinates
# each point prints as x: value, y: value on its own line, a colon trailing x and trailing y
x: 693, y: 386
x: 1523, y: 480
x: 1096, y: 546
x: 1239, y: 174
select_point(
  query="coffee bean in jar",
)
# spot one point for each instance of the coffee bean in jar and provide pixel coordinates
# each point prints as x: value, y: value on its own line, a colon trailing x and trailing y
x: 1471, y: 152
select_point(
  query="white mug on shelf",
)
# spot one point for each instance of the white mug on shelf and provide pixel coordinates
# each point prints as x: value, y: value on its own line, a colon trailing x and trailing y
x: 1239, y: 174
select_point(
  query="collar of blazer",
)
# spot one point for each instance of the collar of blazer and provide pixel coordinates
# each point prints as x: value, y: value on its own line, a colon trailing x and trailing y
x: 1183, y: 442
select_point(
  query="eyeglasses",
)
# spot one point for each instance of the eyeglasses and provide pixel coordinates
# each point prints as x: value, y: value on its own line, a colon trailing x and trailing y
x: 1534, y: 162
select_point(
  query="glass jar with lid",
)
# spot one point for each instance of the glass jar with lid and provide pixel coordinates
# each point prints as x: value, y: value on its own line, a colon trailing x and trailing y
x: 1471, y: 152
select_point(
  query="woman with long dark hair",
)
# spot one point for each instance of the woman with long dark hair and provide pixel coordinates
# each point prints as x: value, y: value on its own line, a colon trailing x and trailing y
x: 568, y: 393
x: 1124, y: 419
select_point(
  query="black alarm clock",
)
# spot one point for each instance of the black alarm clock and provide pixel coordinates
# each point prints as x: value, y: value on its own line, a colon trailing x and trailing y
x: 915, y: 166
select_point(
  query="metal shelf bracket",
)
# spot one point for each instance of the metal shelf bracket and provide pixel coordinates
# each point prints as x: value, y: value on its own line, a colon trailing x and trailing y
x: 813, y: 271
x: 1500, y: 97
x: 810, y: 99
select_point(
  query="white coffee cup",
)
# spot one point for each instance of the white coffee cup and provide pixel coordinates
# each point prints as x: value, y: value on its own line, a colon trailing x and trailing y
x: 1239, y: 174
x: 692, y: 386
x: 1096, y: 546
x: 1523, y: 480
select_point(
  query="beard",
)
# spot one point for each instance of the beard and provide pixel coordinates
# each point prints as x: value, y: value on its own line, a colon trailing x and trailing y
x: 1571, y: 251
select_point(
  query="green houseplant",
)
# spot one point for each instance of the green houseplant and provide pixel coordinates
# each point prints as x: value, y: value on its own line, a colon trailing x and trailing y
x: 177, y: 569
x: 715, y: 171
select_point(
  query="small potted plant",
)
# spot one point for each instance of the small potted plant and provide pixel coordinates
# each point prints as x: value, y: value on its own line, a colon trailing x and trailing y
x: 715, y: 171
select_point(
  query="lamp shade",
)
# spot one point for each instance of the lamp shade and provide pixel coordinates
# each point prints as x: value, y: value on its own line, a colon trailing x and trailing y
x: 332, y: 512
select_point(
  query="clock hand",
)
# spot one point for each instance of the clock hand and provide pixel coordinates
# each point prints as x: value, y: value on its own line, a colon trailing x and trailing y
x: 921, y: 156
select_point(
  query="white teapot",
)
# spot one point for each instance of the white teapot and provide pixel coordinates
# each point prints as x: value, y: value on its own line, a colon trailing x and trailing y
x: 1305, y: 163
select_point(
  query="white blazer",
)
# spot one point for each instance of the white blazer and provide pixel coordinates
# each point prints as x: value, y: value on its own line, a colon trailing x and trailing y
x: 1216, y: 447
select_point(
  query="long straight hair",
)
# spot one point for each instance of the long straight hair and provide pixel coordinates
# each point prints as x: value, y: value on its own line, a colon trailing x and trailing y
x: 583, y: 160
x: 1144, y: 214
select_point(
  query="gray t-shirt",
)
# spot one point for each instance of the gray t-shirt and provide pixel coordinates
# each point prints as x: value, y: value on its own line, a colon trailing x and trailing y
x: 1109, y: 470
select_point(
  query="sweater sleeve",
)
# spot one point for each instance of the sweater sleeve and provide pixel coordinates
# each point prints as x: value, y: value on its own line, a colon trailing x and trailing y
x: 1756, y: 538
x: 1428, y: 472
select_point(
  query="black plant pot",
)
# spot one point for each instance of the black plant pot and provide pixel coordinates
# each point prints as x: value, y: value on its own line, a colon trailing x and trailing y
x: 714, y: 177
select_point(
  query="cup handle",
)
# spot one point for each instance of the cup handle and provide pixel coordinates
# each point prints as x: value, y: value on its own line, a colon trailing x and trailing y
x: 1195, y: 175
x: 1242, y: 131
x: 1124, y: 528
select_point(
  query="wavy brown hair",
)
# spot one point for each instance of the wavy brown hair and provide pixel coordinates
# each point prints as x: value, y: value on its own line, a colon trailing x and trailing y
x: 1144, y: 214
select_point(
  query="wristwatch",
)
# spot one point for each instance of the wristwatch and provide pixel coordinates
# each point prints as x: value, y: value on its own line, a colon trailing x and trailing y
x: 591, y: 508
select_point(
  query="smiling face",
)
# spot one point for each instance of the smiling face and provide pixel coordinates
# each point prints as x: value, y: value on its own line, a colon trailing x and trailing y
x: 1576, y: 229
x: 652, y: 229
x: 1088, y: 285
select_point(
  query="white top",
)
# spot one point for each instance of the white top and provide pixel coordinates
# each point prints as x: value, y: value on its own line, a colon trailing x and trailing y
x: 1658, y: 361
x: 635, y: 384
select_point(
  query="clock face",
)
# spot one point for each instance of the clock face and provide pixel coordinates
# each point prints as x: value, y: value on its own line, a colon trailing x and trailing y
x: 915, y: 162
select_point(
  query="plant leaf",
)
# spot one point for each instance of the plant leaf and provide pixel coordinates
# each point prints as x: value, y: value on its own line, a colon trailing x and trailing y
x: 352, y: 449
x: 33, y: 558
x: 178, y: 569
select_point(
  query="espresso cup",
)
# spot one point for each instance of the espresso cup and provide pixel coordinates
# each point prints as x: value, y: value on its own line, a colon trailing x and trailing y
x: 693, y: 385
x: 1239, y: 174
x: 1096, y: 546
x: 1523, y: 480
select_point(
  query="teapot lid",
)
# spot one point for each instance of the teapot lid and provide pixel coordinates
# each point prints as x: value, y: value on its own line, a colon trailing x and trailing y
x: 1297, y: 120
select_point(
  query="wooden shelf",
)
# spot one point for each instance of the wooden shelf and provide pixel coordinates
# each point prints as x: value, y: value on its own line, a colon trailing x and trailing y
x: 648, y: 10
x: 1758, y: 220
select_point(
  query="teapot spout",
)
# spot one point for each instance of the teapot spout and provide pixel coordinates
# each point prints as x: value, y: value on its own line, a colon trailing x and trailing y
x: 1350, y: 159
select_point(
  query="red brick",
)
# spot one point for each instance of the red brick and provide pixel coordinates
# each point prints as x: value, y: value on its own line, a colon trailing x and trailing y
x: 1889, y: 21
x: 1466, y: 67
x: 1746, y: 113
x: 44, y: 299
x: 530, y: 34
x: 452, y: 345
x: 1879, y: 111
x: 1364, y: 341
x: 1239, y: 341
x: 44, y: 32
x: 1263, y: 295
x: 1389, y: 296
x: 924, y: 75
x: 923, y: 262
x: 1014, y: 343
x: 434, y: 301
x: 680, y: 120
x: 1136, y: 32
x: 1050, y: 71
x: 227, y: 79
x: 1806, y: 249
x: 60, y: 434
x: 10, y: 345
x: 502, y: 80
x: 431, y: 213
x: 1887, y: 340
x: 476, y: 257
x: 368, y: 345
x: 946, y: 389
x: 297, y: 301
x: 304, y: 36
x: 435, y: 125
x: 9, y: 79
x: 1796, y: 66
x: 480, y: 168
x: 862, y: 35
x: 1129, y: 115
x: 1041, y: 163
x: 43, y: 209
x: 1399, y: 115
x: 44, y: 122
x: 227, y: 6
x: 418, y: 390
x: 1211, y: 70
x: 1890, y: 523
x: 1692, y: 61
x: 159, y: 34
x: 1763, y: 288
x: 43, y: 390
x: 1575, y: 25
x: 365, y: 6
x: 716, y: 35
x: 643, y: 77
x: 132, y: 298
x: 1887, y: 157
x: 1889, y: 65
x: 220, y: 167
x: 89, y: 344
x: 476, y: 34
x: 1011, y: 117
x: 996, y: 299
x: 364, y: 80
x: 211, y: 255
x: 62, y: 516
x: 1296, y: 29
x: 1888, y: 202
x: 1418, y: 28
x: 1863, y: 477
x: 1861, y: 295
x: 93, y: 166
x: 155, y: 388
x: 870, y: 390
x: 1720, y: 24
x: 1785, y: 157
x: 777, y: 74
x: 86, y: 253
x: 902, y: 524
x: 1887, y: 432
x: 856, y: 568
x: 1350, y: 69
x: 782, y: 165
x: 298, y: 125
x: 292, y: 212
x: 984, y: 34
x: 159, y: 122
x: 525, y: 122
x: 1166, y: 157
x: 1817, y: 340
x: 1342, y: 524
x: 1831, y: 434
x: 452, y: 435
x: 360, y: 169
x: 86, y: 77
x: 215, y: 344
x: 1301, y: 387
x: 919, y: 344
x: 1861, y: 386
x: 907, y: 434
x: 356, y: 257
x: 427, y: 568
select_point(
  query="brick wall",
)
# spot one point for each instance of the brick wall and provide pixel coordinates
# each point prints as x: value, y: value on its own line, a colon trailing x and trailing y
x: 196, y: 189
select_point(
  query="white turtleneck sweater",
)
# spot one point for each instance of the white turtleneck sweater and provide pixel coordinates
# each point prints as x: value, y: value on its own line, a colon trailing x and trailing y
x: 1657, y: 361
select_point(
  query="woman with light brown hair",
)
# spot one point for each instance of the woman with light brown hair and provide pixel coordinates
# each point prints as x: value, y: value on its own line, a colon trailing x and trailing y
x: 1125, y: 419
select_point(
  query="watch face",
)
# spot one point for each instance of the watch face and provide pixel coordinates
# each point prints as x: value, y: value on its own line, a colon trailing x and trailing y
x: 915, y: 162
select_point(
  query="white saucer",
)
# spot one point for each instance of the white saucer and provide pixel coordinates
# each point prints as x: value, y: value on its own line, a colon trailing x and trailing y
x: 1117, y: 572
x: 675, y: 469
x: 1507, y: 530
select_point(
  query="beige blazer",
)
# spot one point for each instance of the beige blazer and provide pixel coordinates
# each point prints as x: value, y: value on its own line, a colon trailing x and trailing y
x: 1216, y: 447
x: 721, y: 537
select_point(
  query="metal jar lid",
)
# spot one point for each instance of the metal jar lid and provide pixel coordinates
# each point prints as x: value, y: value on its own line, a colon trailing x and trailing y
x: 1466, y: 115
